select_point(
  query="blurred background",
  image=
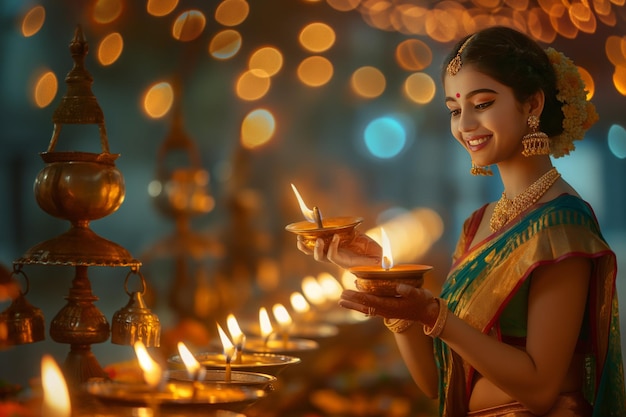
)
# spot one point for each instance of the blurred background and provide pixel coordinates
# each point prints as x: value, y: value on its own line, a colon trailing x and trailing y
x: 217, y: 107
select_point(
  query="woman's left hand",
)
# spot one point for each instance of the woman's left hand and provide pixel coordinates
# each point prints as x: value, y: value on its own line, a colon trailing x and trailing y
x: 411, y: 303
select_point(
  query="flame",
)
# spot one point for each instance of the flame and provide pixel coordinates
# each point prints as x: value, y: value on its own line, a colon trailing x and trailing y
x: 387, y: 262
x: 229, y: 348
x: 194, y: 369
x: 299, y: 303
x: 265, y: 323
x: 313, y: 290
x: 234, y: 329
x: 306, y: 212
x: 56, y: 397
x: 330, y: 286
x: 282, y: 316
x: 152, y: 372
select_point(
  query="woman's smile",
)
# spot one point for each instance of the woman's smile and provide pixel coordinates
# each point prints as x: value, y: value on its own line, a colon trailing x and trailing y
x: 476, y: 143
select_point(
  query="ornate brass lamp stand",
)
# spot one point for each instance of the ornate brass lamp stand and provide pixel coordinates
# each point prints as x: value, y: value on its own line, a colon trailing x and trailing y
x: 81, y: 187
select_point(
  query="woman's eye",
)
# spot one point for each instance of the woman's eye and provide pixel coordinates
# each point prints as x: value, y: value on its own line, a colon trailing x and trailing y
x: 455, y: 112
x: 482, y: 106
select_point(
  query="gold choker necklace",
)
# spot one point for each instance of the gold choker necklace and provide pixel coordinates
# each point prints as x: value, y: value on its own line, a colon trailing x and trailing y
x: 506, y: 210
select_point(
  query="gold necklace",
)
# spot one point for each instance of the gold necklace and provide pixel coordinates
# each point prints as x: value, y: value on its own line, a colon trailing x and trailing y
x: 506, y: 209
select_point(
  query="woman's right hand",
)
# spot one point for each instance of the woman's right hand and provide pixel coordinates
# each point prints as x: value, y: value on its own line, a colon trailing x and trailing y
x: 362, y: 250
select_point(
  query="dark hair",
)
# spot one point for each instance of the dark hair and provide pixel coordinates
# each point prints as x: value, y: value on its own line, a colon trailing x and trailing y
x: 515, y: 60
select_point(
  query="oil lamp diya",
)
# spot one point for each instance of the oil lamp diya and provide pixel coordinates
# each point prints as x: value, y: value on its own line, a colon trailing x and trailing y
x: 179, y: 394
x: 315, y: 227
x: 159, y: 390
x: 307, y: 323
x: 195, y: 372
x: 382, y: 280
x: 278, y: 342
x: 264, y: 363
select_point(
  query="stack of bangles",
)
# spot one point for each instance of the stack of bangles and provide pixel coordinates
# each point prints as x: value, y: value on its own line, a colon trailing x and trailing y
x: 401, y: 325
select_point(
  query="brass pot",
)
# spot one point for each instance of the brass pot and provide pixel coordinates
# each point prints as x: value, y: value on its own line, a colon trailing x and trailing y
x: 79, y: 185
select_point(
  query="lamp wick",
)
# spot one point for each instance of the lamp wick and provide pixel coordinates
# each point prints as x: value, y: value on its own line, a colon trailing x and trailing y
x: 318, y: 217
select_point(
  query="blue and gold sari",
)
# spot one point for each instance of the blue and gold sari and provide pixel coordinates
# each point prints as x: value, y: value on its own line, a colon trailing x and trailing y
x: 484, y: 278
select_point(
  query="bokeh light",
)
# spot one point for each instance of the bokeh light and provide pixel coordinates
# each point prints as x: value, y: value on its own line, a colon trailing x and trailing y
x: 617, y: 141
x: 315, y: 71
x: 158, y: 99
x: 590, y: 85
x: 160, y: 8
x: 225, y: 44
x: 107, y: 11
x: 368, y: 82
x: 343, y: 5
x: 45, y: 88
x: 619, y: 79
x: 413, y: 55
x: 253, y: 84
x: 257, y: 128
x: 317, y: 37
x: 615, y: 49
x: 420, y: 88
x: 385, y: 137
x: 33, y: 21
x: 267, y: 59
x: 110, y: 48
x: 232, y: 12
x: 411, y: 232
x: 188, y: 25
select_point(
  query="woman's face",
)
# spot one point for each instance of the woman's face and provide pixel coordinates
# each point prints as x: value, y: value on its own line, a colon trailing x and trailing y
x: 485, y: 117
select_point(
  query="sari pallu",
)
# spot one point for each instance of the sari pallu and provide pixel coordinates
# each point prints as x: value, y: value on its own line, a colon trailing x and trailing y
x: 485, y: 277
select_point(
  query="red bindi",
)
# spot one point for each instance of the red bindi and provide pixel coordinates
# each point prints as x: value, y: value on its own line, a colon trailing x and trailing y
x: 458, y: 95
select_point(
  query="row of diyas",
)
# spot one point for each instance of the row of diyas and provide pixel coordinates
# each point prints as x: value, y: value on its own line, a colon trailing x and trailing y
x: 157, y: 393
x: 379, y: 280
x: 191, y: 387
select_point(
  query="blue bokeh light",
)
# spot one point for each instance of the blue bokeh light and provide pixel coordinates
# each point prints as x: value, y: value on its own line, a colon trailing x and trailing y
x: 385, y: 137
x: 617, y: 141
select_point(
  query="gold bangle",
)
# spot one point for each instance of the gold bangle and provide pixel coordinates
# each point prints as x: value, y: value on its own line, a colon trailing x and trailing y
x: 440, y: 323
x: 398, y: 325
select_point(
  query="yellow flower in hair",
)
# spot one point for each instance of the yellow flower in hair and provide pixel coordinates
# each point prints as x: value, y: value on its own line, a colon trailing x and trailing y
x: 579, y: 114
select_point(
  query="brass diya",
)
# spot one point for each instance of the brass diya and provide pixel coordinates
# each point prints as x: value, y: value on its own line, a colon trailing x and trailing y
x: 178, y: 394
x: 280, y: 346
x: 381, y: 281
x: 266, y: 363
x: 220, y: 377
x: 325, y: 229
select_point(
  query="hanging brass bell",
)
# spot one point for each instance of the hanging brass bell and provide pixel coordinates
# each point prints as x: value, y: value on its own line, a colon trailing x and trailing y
x: 135, y: 322
x: 21, y: 322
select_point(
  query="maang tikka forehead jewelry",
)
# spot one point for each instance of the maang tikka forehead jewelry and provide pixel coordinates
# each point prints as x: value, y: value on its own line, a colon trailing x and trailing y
x: 455, y: 65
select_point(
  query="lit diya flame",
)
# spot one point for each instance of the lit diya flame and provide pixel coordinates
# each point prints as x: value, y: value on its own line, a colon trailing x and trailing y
x: 229, y: 351
x: 313, y: 216
x: 383, y: 280
x: 56, y: 397
x: 331, y: 288
x: 265, y: 325
x: 239, y: 339
x: 284, y: 321
x: 313, y: 291
x: 299, y: 304
x: 387, y: 261
x: 152, y: 371
x: 194, y: 369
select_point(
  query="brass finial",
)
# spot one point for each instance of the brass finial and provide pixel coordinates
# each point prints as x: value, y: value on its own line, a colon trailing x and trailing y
x: 79, y: 105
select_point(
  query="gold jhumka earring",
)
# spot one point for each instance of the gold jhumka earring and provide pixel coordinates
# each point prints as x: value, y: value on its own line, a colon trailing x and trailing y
x: 535, y: 142
x: 481, y: 170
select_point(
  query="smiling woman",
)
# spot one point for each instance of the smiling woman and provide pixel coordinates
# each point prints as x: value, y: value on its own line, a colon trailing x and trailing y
x: 516, y: 323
